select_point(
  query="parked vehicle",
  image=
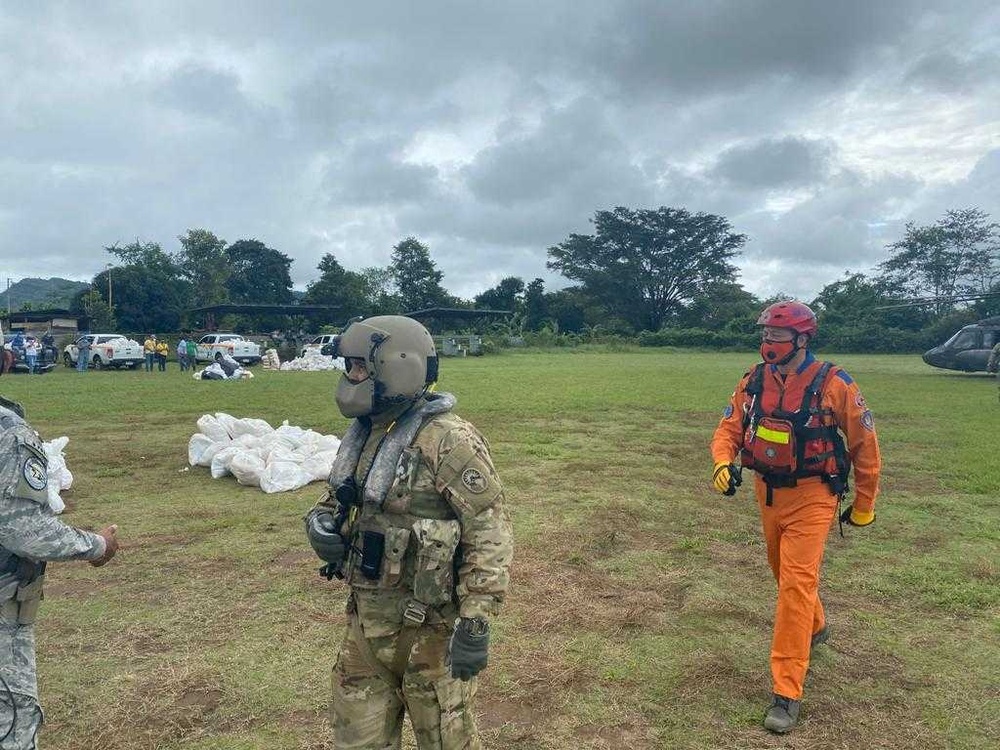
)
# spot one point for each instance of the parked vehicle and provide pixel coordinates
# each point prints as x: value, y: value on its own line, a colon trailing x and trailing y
x: 969, y: 349
x: 212, y: 346
x: 106, y: 350
x: 322, y: 344
x: 15, y: 360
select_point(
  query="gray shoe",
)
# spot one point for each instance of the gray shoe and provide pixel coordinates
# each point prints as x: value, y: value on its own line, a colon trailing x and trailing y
x: 821, y: 637
x: 782, y: 714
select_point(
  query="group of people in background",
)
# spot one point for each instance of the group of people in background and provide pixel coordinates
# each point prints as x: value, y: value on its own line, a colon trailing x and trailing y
x: 157, y: 350
x: 35, y: 351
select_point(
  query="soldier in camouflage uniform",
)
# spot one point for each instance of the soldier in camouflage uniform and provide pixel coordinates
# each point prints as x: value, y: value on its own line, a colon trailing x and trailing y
x: 414, y: 522
x: 30, y: 535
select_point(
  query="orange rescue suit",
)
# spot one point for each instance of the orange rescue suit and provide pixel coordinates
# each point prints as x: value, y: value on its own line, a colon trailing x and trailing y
x: 798, y: 517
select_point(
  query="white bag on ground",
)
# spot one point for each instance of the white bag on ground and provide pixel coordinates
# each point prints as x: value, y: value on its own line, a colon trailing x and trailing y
x: 247, y: 467
x: 197, y: 446
x: 276, y: 460
x: 59, y: 476
x: 209, y: 425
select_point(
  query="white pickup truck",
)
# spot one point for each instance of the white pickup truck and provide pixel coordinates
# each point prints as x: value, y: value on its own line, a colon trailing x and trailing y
x: 213, y: 345
x: 106, y: 350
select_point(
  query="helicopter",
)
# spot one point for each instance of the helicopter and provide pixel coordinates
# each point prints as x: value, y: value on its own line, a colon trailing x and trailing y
x: 969, y: 349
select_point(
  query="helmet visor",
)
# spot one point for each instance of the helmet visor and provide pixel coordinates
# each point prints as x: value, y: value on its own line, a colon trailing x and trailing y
x: 360, y: 341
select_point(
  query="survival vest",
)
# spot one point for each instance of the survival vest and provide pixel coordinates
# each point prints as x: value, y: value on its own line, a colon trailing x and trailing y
x: 783, y: 446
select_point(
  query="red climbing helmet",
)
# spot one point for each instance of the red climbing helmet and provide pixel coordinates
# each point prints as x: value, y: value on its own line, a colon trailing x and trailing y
x: 791, y: 314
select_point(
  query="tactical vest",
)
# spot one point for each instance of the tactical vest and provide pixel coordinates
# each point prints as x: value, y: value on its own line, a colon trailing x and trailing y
x: 785, y: 445
x: 403, y: 534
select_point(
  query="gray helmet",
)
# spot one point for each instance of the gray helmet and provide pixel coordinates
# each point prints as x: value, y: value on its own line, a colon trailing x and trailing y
x: 401, y: 361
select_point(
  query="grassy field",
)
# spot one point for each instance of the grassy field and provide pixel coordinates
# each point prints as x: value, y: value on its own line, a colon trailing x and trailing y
x: 640, y: 610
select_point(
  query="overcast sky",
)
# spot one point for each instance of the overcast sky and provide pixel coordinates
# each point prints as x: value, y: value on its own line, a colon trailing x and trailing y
x: 491, y: 130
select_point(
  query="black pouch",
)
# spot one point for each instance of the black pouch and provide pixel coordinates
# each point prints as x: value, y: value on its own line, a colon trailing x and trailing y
x: 372, y: 549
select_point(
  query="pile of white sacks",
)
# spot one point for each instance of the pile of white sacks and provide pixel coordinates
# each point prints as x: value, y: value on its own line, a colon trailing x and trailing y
x: 59, y: 474
x: 224, y: 368
x: 276, y: 460
x: 313, y: 361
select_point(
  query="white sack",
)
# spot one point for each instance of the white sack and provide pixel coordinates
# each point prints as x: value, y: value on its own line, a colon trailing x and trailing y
x: 248, y: 426
x: 197, y: 446
x: 247, y: 467
x: 209, y: 453
x: 209, y: 425
x: 59, y: 476
x: 220, y: 461
x: 283, y: 476
x: 277, y: 460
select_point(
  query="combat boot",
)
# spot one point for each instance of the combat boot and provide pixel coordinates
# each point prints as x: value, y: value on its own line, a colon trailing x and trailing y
x: 782, y: 714
x: 821, y: 637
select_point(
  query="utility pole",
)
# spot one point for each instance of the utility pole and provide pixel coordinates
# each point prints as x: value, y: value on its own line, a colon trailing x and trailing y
x: 111, y: 307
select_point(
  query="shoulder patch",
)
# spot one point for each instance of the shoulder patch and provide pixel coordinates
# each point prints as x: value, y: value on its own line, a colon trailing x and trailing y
x: 728, y: 411
x: 35, y: 474
x: 845, y: 377
x: 474, y: 481
x: 868, y: 421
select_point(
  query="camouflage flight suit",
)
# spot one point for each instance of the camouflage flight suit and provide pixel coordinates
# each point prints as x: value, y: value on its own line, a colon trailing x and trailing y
x: 993, y: 364
x: 30, y: 534
x: 445, y: 550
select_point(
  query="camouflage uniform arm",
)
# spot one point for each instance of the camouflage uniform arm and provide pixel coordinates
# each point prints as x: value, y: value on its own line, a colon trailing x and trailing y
x: 28, y: 528
x: 466, y: 478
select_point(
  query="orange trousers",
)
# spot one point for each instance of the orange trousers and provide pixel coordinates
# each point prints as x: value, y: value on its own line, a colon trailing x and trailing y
x: 795, y: 525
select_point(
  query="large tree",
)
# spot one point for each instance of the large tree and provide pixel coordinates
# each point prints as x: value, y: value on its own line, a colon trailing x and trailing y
x: 507, y: 295
x: 345, y: 291
x: 204, y: 263
x: 957, y: 255
x: 258, y: 274
x: 417, y: 279
x: 147, y: 291
x: 536, y: 308
x: 646, y: 264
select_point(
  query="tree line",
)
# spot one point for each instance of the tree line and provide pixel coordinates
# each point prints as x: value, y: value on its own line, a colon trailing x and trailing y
x: 661, y: 276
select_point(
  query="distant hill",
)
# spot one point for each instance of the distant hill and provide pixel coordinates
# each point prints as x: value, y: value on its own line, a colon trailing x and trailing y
x: 41, y: 293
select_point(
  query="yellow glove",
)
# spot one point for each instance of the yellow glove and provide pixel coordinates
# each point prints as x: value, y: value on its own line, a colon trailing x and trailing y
x: 726, y: 478
x: 857, y: 517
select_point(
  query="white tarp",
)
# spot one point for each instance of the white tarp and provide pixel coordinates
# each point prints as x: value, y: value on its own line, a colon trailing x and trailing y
x: 59, y: 474
x: 313, y: 361
x: 276, y: 460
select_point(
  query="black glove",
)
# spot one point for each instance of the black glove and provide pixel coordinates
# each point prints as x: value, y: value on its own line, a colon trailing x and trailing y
x: 324, y: 537
x: 468, y: 648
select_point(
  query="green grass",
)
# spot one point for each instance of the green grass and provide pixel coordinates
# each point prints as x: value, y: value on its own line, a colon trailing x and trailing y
x: 640, y: 610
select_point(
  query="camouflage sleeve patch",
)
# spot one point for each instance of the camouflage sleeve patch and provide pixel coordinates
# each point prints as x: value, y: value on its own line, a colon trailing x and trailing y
x: 32, y: 475
x: 465, y: 472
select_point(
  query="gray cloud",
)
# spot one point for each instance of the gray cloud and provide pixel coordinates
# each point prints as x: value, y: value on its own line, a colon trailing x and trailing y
x: 774, y: 163
x: 491, y: 131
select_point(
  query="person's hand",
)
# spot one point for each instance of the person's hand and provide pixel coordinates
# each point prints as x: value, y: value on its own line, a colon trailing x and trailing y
x: 110, y: 535
x: 857, y: 517
x: 726, y: 478
x: 324, y: 537
x: 469, y: 648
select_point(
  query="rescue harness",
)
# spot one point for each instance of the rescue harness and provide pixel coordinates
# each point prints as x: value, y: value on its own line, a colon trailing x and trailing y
x: 784, y: 446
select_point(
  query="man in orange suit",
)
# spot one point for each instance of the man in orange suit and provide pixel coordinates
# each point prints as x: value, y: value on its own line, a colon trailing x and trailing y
x: 800, y: 424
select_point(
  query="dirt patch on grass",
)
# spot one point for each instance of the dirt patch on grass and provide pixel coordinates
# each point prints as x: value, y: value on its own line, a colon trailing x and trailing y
x: 166, y: 705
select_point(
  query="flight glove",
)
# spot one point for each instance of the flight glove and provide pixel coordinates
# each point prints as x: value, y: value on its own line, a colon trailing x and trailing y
x: 857, y: 517
x: 469, y: 647
x: 324, y: 537
x: 726, y: 478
